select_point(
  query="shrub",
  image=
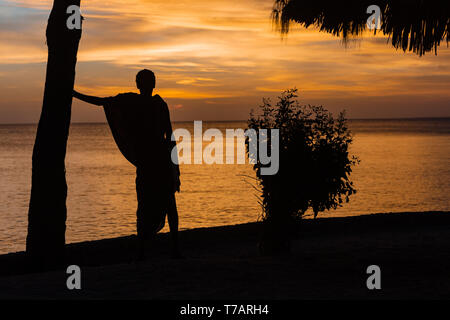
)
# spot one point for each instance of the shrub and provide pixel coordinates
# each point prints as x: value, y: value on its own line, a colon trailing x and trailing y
x: 315, y: 165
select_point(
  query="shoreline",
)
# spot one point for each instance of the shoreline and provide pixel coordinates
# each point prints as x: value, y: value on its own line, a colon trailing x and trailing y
x: 328, y: 261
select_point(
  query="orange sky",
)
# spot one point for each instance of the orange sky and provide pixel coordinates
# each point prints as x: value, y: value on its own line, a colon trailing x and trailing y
x: 215, y: 60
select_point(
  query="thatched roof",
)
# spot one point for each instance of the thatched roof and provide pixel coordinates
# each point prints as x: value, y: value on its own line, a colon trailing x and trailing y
x: 414, y: 25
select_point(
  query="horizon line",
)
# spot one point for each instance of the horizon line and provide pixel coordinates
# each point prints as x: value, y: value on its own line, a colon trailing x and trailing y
x: 242, y: 120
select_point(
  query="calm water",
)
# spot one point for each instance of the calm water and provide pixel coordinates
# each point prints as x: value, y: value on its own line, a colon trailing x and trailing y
x: 405, y: 167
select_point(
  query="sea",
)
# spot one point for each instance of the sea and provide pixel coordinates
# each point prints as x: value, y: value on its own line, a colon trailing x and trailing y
x: 405, y: 167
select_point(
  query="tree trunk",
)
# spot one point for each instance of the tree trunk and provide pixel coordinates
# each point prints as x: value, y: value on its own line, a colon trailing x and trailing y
x: 47, y: 210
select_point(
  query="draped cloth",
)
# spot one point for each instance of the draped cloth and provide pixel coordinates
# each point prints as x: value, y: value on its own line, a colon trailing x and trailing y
x: 142, y: 131
x: 119, y: 112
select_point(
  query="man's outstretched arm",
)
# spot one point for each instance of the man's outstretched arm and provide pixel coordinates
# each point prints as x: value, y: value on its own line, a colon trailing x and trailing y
x: 90, y: 99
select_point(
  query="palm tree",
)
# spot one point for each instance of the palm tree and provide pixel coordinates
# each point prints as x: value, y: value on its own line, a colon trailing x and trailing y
x: 412, y: 25
x: 47, y: 209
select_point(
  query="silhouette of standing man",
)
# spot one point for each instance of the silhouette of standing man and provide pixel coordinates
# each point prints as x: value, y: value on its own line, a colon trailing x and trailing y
x: 141, y: 127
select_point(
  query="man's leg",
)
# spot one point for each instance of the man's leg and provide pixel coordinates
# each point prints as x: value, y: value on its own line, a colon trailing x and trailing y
x: 145, y: 221
x: 140, y: 215
x: 172, y: 217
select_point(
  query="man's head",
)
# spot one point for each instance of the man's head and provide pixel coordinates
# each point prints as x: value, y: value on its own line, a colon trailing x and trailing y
x: 145, y: 80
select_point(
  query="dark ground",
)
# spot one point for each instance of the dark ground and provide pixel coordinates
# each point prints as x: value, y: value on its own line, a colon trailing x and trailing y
x: 328, y: 261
